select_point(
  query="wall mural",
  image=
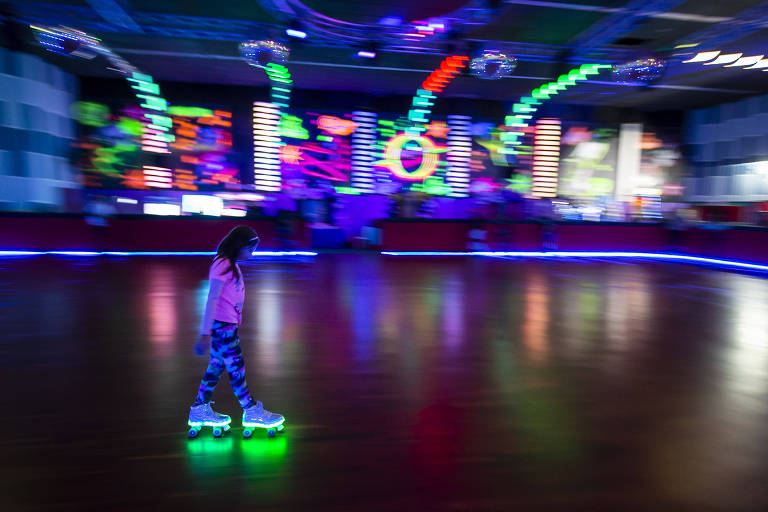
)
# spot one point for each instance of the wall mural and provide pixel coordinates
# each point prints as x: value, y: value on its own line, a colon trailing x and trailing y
x: 109, y: 149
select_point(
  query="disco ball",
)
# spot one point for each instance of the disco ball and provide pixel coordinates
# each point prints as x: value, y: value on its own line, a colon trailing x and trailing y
x: 261, y: 53
x: 640, y: 71
x: 492, y: 65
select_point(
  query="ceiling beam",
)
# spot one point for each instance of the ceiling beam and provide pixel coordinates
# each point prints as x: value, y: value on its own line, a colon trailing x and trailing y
x: 111, y: 11
x: 621, y: 22
x: 737, y: 27
x: 678, y: 16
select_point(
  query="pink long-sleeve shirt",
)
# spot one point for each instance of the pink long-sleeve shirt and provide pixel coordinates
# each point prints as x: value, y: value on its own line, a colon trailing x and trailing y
x: 230, y: 305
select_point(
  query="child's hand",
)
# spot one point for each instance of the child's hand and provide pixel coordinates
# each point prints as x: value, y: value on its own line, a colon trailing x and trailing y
x: 201, y: 347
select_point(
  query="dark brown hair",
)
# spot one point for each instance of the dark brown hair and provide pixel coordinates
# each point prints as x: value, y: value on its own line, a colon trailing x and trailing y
x: 232, y: 244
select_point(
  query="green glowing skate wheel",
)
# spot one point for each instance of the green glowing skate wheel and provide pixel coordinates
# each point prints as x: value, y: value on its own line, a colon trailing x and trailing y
x: 226, y: 427
x: 247, y: 433
x: 192, y: 432
x: 281, y: 429
x: 217, y: 431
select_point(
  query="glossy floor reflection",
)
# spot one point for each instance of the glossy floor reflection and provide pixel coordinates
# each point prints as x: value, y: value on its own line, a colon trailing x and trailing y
x: 407, y: 383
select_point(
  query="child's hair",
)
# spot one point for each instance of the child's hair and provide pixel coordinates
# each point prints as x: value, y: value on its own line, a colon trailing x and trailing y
x: 230, y: 247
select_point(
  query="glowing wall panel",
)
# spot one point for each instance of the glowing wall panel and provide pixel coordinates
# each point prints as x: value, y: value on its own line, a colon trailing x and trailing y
x: 266, y: 146
x: 628, y: 163
x: 157, y: 177
x: 588, y: 161
x: 363, y: 151
x: 459, y: 155
x: 546, y: 157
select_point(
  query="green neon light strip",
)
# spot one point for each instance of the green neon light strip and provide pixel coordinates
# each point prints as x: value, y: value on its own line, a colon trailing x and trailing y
x: 519, y: 118
x: 143, y: 83
x: 146, y: 87
x: 348, y: 190
x: 160, y: 120
x: 190, y: 111
x: 280, y: 78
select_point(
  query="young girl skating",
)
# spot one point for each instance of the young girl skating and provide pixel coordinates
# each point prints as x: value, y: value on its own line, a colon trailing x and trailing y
x: 222, y: 316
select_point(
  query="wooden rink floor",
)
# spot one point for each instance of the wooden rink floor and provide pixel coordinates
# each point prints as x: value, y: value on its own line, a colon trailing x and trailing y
x: 407, y: 384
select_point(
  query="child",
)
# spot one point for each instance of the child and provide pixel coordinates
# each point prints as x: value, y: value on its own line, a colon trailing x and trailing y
x: 219, y: 331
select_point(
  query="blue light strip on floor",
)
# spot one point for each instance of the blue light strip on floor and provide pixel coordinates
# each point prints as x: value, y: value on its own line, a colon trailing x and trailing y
x: 147, y: 253
x: 595, y: 254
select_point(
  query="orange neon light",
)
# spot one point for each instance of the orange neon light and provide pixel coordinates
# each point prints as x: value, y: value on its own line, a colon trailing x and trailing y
x: 336, y: 125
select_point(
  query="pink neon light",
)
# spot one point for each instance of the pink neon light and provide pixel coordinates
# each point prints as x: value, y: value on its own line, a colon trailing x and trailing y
x: 331, y: 171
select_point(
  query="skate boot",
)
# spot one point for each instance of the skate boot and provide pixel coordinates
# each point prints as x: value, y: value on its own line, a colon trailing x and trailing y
x: 255, y: 416
x: 203, y: 416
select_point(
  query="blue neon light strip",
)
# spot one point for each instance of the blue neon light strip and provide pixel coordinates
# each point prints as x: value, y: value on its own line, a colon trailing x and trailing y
x: 497, y: 254
x: 147, y: 253
x: 595, y: 254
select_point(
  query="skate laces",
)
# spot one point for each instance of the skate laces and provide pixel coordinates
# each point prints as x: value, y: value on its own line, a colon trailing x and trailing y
x: 255, y: 410
x: 255, y: 406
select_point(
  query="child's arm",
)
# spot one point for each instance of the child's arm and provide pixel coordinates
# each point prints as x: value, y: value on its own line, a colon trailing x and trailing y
x: 214, y: 292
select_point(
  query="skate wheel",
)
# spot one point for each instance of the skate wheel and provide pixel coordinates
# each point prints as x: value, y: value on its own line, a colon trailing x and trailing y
x: 226, y: 428
x: 247, y: 433
x: 217, y: 432
x: 192, y: 433
x: 271, y: 432
x: 281, y: 429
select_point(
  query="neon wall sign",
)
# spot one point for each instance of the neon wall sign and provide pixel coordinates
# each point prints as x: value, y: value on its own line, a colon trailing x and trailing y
x: 393, y: 157
x: 360, y: 152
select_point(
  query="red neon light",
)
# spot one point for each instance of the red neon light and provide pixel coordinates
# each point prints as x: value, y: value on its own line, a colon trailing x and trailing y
x: 442, y: 76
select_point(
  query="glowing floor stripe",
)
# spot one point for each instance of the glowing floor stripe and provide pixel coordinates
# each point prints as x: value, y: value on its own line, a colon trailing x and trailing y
x: 147, y: 253
x: 593, y: 254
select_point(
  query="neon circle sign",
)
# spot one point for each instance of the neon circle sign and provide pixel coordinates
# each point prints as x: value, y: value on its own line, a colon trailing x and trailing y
x: 393, y: 157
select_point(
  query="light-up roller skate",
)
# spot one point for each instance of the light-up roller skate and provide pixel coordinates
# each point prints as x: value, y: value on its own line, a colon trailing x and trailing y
x: 255, y: 416
x: 203, y: 416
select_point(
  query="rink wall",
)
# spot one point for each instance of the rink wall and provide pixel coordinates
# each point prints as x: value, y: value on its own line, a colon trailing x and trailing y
x: 140, y: 233
x: 124, y: 233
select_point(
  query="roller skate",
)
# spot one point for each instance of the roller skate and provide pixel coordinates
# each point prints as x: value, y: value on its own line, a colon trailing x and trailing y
x: 255, y: 416
x: 203, y: 416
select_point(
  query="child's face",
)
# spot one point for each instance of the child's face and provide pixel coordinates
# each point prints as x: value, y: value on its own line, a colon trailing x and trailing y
x: 247, y: 251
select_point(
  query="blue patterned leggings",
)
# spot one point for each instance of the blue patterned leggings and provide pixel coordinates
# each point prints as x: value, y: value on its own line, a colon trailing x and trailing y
x: 225, y: 354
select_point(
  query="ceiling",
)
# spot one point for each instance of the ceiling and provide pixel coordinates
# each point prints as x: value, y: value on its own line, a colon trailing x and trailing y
x: 196, y: 41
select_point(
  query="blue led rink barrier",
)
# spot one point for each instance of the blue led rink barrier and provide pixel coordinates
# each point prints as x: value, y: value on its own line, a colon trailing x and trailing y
x: 658, y: 256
